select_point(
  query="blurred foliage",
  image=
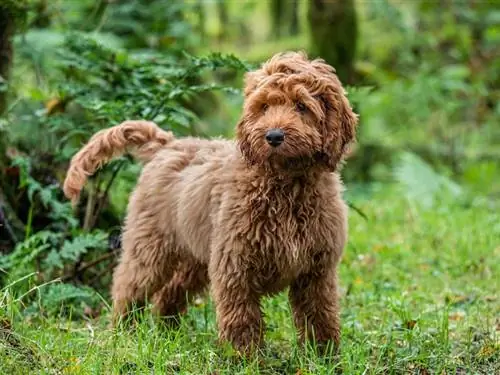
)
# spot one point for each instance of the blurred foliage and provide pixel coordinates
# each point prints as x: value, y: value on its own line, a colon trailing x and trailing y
x: 424, y: 76
x: 431, y: 86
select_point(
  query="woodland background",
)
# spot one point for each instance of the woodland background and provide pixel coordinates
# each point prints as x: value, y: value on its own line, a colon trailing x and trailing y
x: 420, y: 274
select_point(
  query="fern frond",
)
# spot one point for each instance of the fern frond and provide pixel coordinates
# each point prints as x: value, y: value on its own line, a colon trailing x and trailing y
x: 72, y: 250
x: 421, y: 182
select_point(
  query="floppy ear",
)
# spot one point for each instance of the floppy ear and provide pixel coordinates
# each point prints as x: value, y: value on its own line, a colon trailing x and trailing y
x: 339, y: 128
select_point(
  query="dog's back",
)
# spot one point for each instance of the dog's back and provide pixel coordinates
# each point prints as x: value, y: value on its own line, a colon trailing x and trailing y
x: 176, y: 189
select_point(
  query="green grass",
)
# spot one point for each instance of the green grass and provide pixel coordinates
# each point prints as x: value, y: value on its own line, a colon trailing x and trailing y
x: 419, y: 295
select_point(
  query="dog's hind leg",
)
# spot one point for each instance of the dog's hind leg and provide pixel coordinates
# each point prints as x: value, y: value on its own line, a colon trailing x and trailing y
x: 190, y: 278
x: 147, y: 262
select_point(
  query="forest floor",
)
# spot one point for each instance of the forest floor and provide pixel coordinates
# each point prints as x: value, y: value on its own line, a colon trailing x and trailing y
x: 419, y: 295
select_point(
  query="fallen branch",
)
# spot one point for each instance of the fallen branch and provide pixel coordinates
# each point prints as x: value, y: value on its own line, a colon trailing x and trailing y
x: 87, y: 265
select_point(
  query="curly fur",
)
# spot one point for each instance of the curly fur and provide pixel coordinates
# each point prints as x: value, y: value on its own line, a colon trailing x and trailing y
x: 245, y: 218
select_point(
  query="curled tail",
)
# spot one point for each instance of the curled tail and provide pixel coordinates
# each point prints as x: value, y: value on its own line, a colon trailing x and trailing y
x: 142, y: 138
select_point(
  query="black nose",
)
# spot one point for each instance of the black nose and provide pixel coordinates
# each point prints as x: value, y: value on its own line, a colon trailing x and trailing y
x: 275, y: 137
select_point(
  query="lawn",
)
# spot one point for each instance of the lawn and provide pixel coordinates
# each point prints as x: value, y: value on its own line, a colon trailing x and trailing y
x: 419, y: 295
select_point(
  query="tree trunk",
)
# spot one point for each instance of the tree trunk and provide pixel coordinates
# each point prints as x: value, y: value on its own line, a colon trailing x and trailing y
x: 223, y: 19
x: 334, y: 32
x: 6, y: 51
x: 294, y: 17
x: 6, y: 33
x: 277, y: 9
x: 10, y: 226
x: 202, y: 20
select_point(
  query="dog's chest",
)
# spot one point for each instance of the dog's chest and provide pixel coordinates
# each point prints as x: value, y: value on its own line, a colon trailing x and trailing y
x: 281, y: 233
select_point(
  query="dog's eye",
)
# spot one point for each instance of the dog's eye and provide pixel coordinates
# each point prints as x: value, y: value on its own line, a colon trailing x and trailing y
x: 300, y: 107
x: 264, y: 107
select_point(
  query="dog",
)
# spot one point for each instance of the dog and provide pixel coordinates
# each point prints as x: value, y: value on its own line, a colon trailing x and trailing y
x: 246, y: 218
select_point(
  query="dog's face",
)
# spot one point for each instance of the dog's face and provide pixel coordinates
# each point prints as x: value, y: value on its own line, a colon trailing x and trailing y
x: 295, y: 116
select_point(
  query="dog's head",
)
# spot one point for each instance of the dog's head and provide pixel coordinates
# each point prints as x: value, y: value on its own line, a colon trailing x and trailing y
x: 295, y: 115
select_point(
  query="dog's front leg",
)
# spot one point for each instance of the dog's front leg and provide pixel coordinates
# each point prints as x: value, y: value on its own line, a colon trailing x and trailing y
x: 314, y: 300
x: 239, y: 316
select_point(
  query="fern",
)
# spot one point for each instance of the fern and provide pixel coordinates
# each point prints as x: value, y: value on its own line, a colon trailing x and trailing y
x: 217, y: 60
x: 421, y: 182
x: 72, y: 250
x: 27, y: 251
x: 46, y: 242
x: 48, y: 195
x: 110, y: 85
x: 23, y: 260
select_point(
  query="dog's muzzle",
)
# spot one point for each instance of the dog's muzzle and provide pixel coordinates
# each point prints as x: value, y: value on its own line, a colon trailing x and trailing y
x: 275, y: 137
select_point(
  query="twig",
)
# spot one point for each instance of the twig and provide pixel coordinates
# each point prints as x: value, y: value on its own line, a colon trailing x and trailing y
x: 87, y: 223
x: 89, y: 209
x: 87, y: 265
x: 103, y: 197
x: 358, y: 210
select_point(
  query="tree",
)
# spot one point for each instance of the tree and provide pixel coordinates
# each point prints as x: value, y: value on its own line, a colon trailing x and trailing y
x: 6, y: 33
x: 222, y: 14
x: 202, y: 20
x: 294, y: 18
x: 334, y: 32
x: 10, y: 13
x: 284, y: 18
x: 277, y: 8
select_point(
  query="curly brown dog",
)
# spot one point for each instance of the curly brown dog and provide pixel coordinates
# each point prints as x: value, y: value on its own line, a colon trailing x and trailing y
x: 250, y: 217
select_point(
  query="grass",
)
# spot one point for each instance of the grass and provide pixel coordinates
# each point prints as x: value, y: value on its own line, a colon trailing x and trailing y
x: 419, y: 295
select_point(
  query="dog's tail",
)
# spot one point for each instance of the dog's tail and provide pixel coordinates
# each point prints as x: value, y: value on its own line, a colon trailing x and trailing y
x: 143, y: 139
